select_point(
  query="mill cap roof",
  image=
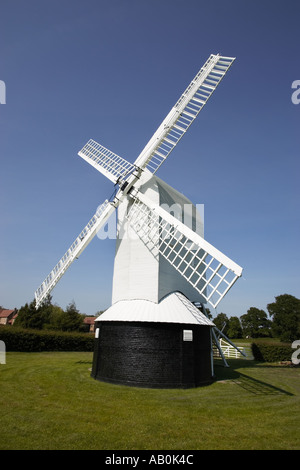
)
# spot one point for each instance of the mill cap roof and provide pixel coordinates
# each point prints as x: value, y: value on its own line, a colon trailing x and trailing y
x: 174, y: 308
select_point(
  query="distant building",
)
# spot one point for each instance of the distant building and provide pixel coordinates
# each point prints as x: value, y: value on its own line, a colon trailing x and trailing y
x: 7, y: 317
x: 89, y: 323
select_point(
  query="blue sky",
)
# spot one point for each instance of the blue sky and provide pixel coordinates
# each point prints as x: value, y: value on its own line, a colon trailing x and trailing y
x: 111, y: 70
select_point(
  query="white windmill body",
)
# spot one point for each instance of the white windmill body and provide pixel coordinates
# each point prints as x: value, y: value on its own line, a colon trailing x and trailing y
x: 140, y: 273
x: 153, y: 334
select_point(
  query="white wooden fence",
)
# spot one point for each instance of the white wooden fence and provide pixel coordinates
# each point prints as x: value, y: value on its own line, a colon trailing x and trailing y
x: 230, y: 352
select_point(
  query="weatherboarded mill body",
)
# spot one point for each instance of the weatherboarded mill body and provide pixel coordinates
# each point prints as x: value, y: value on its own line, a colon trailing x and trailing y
x: 153, y: 335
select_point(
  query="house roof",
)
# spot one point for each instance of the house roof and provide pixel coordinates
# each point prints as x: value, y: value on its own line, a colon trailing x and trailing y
x: 4, y: 313
x: 174, y: 308
x: 89, y: 320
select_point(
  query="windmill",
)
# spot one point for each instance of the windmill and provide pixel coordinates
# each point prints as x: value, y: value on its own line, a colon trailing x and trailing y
x: 161, y: 272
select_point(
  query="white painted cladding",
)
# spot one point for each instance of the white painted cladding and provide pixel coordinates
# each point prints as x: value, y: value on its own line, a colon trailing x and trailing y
x: 139, y: 273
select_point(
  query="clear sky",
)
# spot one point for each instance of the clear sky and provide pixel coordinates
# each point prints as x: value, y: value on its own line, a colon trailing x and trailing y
x: 111, y: 70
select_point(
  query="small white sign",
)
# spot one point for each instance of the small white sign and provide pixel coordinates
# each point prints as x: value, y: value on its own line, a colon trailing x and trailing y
x: 187, y: 335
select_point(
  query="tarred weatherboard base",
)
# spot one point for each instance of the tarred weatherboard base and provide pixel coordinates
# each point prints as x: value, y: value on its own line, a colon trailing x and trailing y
x: 153, y: 355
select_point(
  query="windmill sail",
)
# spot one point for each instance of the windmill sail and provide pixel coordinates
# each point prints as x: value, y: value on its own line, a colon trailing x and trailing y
x: 171, y: 130
x: 183, y: 114
x: 208, y: 270
x: 84, y: 238
x: 108, y: 163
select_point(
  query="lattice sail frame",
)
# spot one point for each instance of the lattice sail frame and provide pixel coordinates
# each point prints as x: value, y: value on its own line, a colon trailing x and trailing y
x: 171, y: 130
x: 108, y: 163
x: 208, y: 270
x: 101, y: 216
x: 184, y: 112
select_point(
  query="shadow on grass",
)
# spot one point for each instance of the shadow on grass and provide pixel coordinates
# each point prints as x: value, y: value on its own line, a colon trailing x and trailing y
x: 254, y: 386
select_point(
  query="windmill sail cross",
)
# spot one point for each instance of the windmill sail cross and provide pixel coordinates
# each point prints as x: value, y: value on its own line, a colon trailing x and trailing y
x: 126, y: 175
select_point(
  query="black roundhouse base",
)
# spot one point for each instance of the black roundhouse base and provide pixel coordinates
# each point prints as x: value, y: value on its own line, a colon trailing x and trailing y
x: 152, y: 355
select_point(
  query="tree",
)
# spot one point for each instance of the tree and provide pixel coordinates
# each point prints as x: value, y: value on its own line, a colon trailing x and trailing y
x: 72, y: 319
x: 285, y: 313
x: 255, y: 323
x: 48, y: 316
x: 31, y: 317
x: 234, y: 328
x: 56, y: 318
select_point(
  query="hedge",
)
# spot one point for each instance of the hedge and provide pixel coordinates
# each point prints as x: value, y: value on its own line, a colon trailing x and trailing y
x: 23, y: 340
x: 271, y: 352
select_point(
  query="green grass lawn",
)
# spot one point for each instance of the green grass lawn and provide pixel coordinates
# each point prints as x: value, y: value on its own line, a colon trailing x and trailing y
x: 49, y: 401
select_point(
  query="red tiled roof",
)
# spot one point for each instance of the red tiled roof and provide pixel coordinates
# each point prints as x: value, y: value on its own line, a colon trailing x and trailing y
x: 4, y: 313
x: 89, y: 320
